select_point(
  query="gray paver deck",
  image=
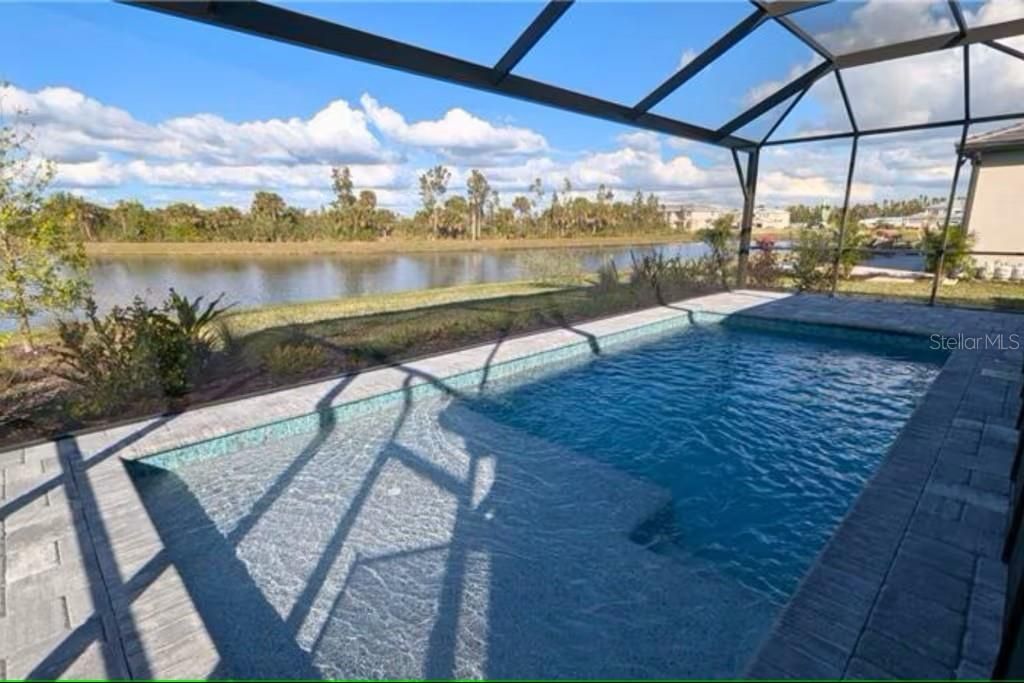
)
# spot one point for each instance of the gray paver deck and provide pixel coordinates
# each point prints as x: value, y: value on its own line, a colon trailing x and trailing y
x: 87, y: 589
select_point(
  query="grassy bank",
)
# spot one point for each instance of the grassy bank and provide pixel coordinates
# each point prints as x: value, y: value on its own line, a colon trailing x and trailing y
x: 279, y: 346
x: 284, y: 345
x: 244, y: 321
x: 279, y: 249
x: 1005, y: 296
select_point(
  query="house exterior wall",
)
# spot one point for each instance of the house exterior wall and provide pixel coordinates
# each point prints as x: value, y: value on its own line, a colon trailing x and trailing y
x: 996, y: 208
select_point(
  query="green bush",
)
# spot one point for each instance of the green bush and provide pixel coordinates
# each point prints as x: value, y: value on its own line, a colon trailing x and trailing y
x: 721, y: 241
x: 958, y: 247
x: 763, y: 268
x: 854, y: 241
x: 8, y: 375
x: 136, y: 352
x: 608, y: 278
x: 649, y: 270
x: 812, y: 258
x: 295, y: 359
x: 663, y: 279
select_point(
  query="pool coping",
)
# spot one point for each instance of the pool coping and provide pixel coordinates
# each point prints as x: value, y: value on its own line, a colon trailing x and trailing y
x: 911, y: 583
x: 151, y: 629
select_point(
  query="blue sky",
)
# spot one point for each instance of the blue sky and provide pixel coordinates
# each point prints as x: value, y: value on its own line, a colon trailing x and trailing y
x: 95, y: 72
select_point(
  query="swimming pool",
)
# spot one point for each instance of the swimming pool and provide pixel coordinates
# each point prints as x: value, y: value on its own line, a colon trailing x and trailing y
x: 642, y: 513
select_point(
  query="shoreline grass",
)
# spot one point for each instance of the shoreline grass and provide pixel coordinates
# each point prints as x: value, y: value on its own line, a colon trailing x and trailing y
x: 251, y: 319
x: 393, y: 246
x: 1000, y: 296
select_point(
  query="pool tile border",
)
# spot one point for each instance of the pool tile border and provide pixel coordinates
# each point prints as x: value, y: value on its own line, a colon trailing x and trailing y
x: 309, y: 422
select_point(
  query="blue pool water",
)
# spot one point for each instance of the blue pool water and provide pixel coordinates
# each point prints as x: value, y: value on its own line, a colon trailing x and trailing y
x: 638, y: 513
x: 763, y: 439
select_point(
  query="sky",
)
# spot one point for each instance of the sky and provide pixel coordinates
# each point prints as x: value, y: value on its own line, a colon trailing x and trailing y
x: 134, y: 104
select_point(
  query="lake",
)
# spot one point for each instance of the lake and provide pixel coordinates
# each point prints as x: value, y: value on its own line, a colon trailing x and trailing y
x: 263, y: 280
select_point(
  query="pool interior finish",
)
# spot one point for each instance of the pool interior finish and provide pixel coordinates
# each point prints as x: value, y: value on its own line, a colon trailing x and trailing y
x: 642, y: 513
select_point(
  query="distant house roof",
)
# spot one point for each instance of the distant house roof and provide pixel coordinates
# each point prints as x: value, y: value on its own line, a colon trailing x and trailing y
x: 1004, y: 139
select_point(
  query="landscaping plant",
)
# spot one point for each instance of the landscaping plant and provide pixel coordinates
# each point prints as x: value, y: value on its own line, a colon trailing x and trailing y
x: 42, y: 260
x: 137, y: 352
x: 721, y: 241
x: 763, y: 269
x: 958, y: 247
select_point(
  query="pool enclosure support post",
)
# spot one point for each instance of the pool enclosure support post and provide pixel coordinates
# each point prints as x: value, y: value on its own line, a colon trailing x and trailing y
x: 748, y: 184
x: 940, y: 263
x: 841, y: 241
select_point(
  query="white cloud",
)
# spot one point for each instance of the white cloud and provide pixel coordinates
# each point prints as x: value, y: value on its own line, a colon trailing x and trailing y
x: 457, y: 134
x: 107, y: 153
x: 918, y: 89
x: 335, y: 134
x: 69, y: 126
x: 881, y: 22
x: 641, y: 139
x: 766, y: 88
x: 633, y: 168
x: 105, y: 172
x: 688, y: 56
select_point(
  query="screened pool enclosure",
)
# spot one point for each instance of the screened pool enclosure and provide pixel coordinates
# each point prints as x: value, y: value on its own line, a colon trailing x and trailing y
x: 939, y: 39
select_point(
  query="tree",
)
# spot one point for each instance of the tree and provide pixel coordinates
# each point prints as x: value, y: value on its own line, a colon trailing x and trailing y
x: 523, y: 208
x: 184, y: 222
x: 433, y: 186
x: 453, y: 215
x: 267, y: 211
x: 720, y: 238
x: 81, y: 215
x: 132, y: 221
x: 537, y: 189
x: 957, y: 257
x: 42, y: 260
x: 565, y: 214
x: 344, y: 199
x: 344, y: 192
x: 365, y: 210
x: 602, y: 215
x: 224, y: 222
x: 478, y: 190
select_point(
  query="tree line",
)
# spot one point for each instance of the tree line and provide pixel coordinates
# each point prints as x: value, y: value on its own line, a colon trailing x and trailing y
x: 815, y: 214
x: 444, y: 213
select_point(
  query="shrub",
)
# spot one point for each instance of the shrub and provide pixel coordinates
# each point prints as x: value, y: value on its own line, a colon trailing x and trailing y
x: 608, y: 278
x: 958, y: 247
x: 763, y: 269
x: 662, y: 278
x: 8, y: 375
x: 136, y: 352
x: 648, y: 270
x: 812, y: 260
x: 721, y: 241
x: 854, y: 240
x: 554, y: 268
x: 294, y: 359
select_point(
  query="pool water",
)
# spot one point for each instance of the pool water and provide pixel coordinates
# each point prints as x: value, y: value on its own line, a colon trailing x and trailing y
x: 762, y: 439
x: 641, y: 513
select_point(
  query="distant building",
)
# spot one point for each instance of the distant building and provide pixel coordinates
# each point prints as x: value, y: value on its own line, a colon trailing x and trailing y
x: 694, y: 216
x: 994, y: 213
x: 701, y: 216
x: 770, y: 218
x: 933, y: 216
